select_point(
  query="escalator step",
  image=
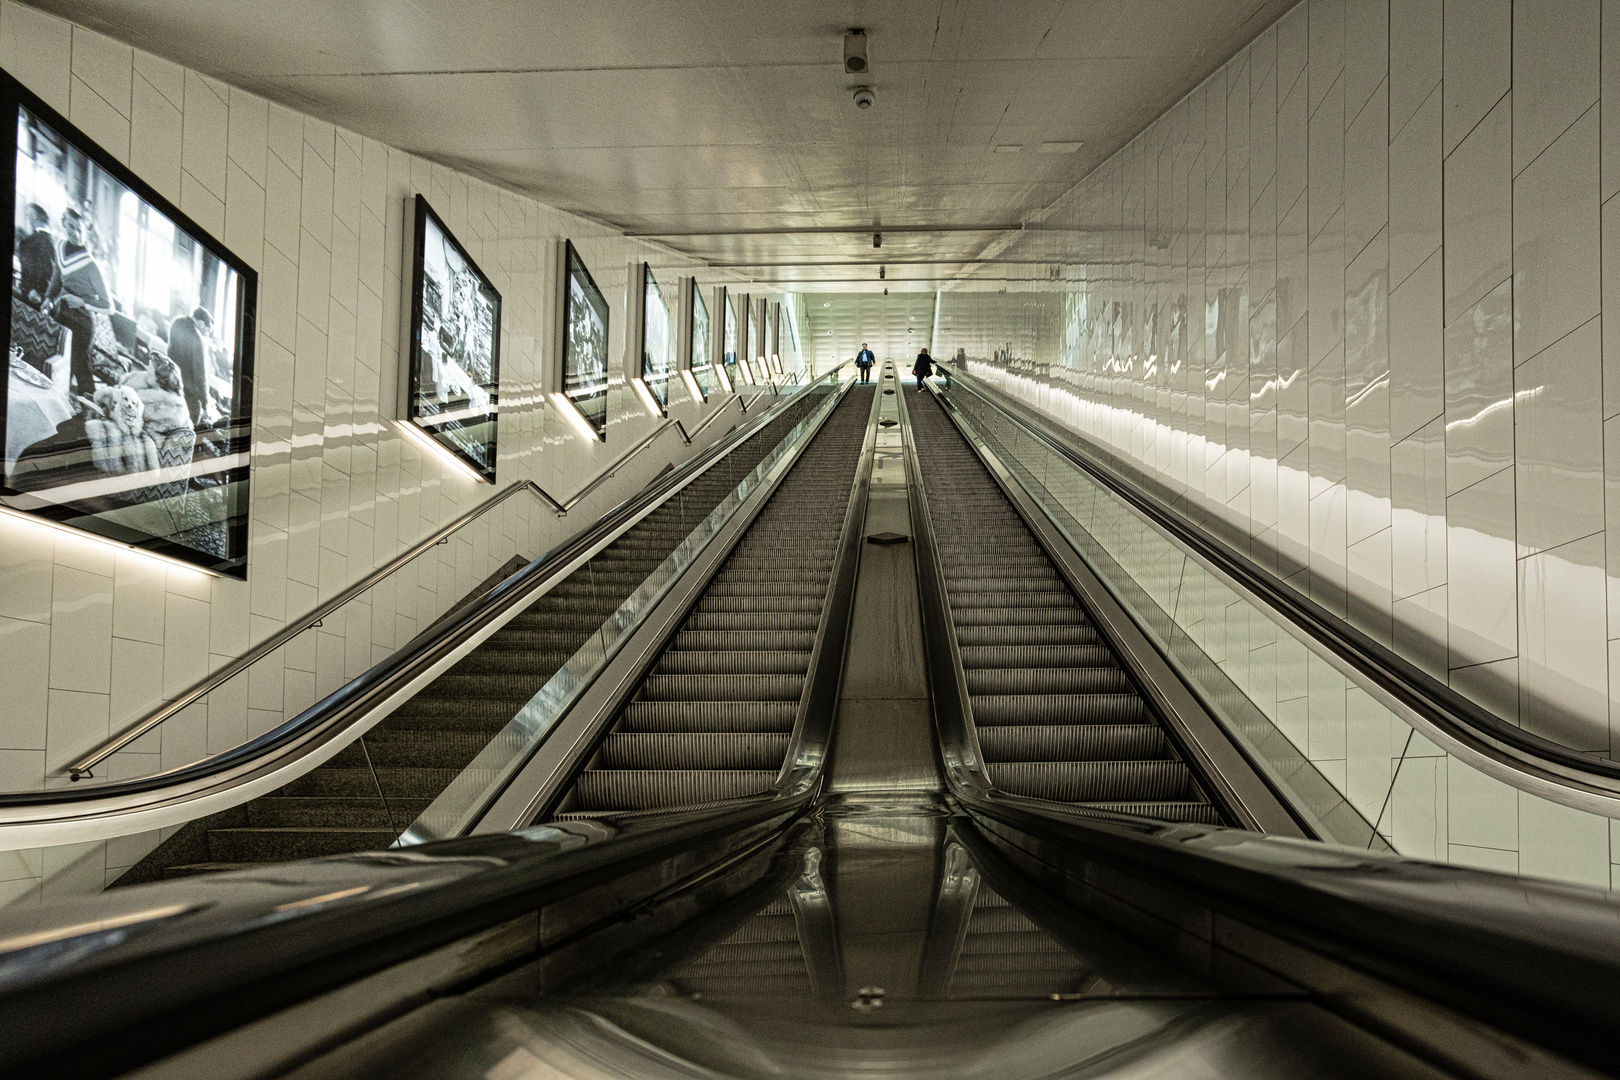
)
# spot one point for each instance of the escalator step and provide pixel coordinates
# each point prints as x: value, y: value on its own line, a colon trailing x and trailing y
x: 648, y: 789
x: 733, y: 662
x: 801, y: 641
x: 1068, y: 615
x: 1000, y: 681
x: 1037, y: 656
x: 1110, y: 742
x: 1095, y: 781
x: 1005, y: 636
x: 692, y: 751
x: 753, y: 620
x: 1041, y: 598
x: 710, y: 715
x: 767, y: 602
x: 1025, y: 709
x: 723, y: 687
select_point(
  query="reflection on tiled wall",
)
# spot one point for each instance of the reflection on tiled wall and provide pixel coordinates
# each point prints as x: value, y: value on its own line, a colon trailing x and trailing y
x: 92, y: 638
x: 1345, y: 299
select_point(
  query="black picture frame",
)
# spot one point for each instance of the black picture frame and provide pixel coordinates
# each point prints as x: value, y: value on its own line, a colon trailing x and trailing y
x: 699, y: 340
x: 656, y: 381
x: 199, y: 460
x: 474, y: 444
x: 588, y: 395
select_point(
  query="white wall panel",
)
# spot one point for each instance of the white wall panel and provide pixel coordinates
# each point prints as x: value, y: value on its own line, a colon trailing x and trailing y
x: 1422, y: 436
x: 95, y: 637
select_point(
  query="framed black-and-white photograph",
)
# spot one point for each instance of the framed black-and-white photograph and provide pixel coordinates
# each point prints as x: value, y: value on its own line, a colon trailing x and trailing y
x: 728, y: 348
x: 584, y: 343
x: 700, y: 343
x: 455, y: 371
x: 127, y: 407
x: 657, y: 339
x: 776, y: 336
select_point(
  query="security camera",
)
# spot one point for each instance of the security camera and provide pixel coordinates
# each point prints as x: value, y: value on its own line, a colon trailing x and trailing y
x: 855, y: 52
x: 864, y: 97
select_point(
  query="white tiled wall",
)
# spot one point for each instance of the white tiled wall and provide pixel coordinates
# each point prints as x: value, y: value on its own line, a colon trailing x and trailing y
x: 94, y: 638
x: 1346, y: 298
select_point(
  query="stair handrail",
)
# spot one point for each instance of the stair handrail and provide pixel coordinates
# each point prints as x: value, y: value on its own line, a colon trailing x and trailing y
x: 1476, y: 735
x: 81, y: 768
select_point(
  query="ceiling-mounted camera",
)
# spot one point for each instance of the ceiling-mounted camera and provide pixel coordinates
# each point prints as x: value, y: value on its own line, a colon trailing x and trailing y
x: 855, y: 52
x: 864, y: 97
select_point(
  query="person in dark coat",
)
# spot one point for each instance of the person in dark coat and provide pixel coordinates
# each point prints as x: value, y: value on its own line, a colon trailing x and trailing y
x: 40, y: 279
x: 188, y: 348
x: 922, y: 369
x: 864, y: 361
x: 83, y: 291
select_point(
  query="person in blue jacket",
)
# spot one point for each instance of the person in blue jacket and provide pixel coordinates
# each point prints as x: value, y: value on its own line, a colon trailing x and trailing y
x: 864, y: 360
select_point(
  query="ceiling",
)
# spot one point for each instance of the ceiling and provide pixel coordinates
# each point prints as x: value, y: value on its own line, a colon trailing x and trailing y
x: 726, y: 128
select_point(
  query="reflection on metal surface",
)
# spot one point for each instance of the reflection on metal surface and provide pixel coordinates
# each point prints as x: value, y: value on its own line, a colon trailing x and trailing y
x: 972, y: 985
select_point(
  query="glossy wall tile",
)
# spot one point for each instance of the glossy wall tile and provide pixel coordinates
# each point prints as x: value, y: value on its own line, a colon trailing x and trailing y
x: 1402, y: 231
x: 96, y: 637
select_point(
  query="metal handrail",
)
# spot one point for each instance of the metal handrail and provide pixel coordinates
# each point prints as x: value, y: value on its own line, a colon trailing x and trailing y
x: 561, y: 508
x: 1481, y: 738
x: 80, y: 768
x: 501, y: 595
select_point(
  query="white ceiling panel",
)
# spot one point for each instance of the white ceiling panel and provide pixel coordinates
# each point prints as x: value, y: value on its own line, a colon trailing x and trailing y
x: 697, y: 119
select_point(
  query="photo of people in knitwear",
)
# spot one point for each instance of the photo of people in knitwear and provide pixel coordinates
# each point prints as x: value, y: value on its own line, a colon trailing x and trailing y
x: 126, y: 408
x: 455, y: 366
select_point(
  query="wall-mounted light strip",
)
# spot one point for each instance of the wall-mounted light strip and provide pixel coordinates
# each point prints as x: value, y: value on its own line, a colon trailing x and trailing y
x: 572, y: 414
x: 56, y: 526
x: 692, y: 385
x: 743, y: 366
x: 725, y: 380
x: 776, y: 362
x: 424, y: 440
x: 647, y: 400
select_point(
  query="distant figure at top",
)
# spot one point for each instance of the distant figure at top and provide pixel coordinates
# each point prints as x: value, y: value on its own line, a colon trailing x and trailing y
x: 924, y: 368
x: 864, y: 360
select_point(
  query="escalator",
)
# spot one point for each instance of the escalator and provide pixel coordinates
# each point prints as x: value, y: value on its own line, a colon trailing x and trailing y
x: 371, y: 791
x: 714, y: 718
x: 1056, y: 716
x: 701, y: 887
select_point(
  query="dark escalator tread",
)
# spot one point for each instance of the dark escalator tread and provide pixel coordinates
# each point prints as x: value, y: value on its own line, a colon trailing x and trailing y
x: 719, y: 716
x: 1024, y: 709
x: 427, y: 741
x: 1022, y: 680
x: 693, y: 751
x: 1095, y: 781
x: 1005, y: 636
x: 723, y: 687
x: 683, y: 661
x: 651, y: 789
x: 1074, y: 742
